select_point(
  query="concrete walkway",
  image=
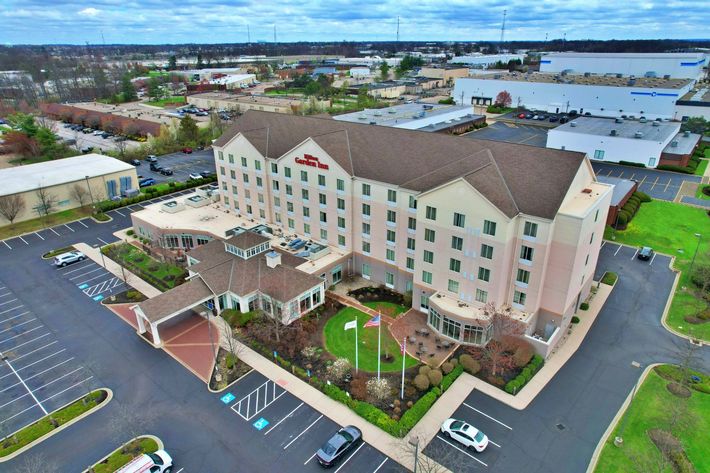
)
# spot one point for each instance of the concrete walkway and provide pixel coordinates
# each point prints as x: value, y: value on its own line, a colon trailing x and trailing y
x: 354, y: 303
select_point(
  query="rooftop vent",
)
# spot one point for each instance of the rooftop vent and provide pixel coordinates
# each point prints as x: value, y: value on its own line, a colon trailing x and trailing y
x: 619, y: 120
x: 674, y: 144
x: 638, y: 134
x: 631, y: 82
x: 612, y: 132
x: 686, y: 133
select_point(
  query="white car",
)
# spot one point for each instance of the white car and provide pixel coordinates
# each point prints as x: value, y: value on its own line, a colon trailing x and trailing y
x: 98, y: 132
x: 195, y: 175
x: 157, y: 462
x: 465, y: 434
x: 68, y: 258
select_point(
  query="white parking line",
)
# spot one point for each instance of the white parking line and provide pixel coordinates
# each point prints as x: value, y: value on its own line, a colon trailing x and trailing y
x: 76, y: 268
x: 82, y: 223
x: 603, y: 243
x: 19, y: 413
x: 486, y: 415
x: 21, y: 334
x: 119, y: 213
x: 635, y: 253
x: 38, y: 349
x: 6, y: 244
x: 101, y: 241
x: 37, y: 374
x: 17, y: 325
x: 38, y: 361
x: 95, y: 277
x: 461, y: 450
x: 348, y: 459
x: 651, y: 262
x: 617, y: 250
x: 25, y: 242
x: 11, y: 300
x: 10, y: 310
x: 98, y: 268
x: 286, y: 417
x: 310, y: 458
x: 303, y: 432
x: 70, y: 228
x: 67, y: 389
x: 53, y: 231
x: 493, y: 443
x: 29, y: 391
x: 380, y: 465
x: 6, y: 294
x: 14, y: 317
x: 40, y: 236
x: 29, y: 341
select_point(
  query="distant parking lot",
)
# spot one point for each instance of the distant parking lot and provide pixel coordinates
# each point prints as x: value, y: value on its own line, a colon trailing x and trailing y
x: 182, y: 165
x: 85, y: 140
x: 662, y: 185
x: 521, y: 133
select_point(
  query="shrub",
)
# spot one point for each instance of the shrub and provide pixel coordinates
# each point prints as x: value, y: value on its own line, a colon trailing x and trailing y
x: 670, y: 167
x: 584, y: 306
x: 522, y: 355
x: 231, y: 360
x: 358, y: 387
x: 130, y: 232
x: 415, y: 413
x: 243, y: 319
x: 447, y: 367
x: 470, y: 365
x: 575, y: 319
x: 634, y: 200
x: 610, y: 278
x: 378, y: 389
x: 513, y: 386
x: 334, y: 392
x: 425, y: 369
x: 454, y: 362
x: 310, y: 352
x: 339, y: 369
x: 435, y: 377
x: 622, y: 219
x: 631, y: 163
x: 421, y: 382
x: 451, y: 377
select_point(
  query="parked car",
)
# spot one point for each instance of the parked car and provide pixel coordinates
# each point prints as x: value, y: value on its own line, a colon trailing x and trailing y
x: 148, y: 181
x: 68, y: 258
x: 87, y: 131
x: 206, y: 173
x: 542, y: 117
x: 106, y: 134
x: 187, y: 150
x: 166, y: 171
x: 135, y: 162
x: 158, y: 462
x: 152, y: 158
x: 200, y: 148
x: 202, y: 114
x: 98, y: 132
x: 465, y: 434
x: 194, y: 175
x: 521, y: 115
x: 645, y: 253
x: 563, y: 120
x: 66, y: 125
x: 338, y: 445
x: 529, y: 115
x: 87, y: 149
x: 554, y: 119
x: 155, y: 167
x: 535, y: 117
x: 70, y: 141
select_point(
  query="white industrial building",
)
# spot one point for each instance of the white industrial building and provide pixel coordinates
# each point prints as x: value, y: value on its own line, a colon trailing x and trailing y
x: 695, y: 103
x: 235, y: 81
x: 480, y: 61
x: 415, y: 116
x: 671, y: 65
x: 646, y: 142
x: 597, y: 95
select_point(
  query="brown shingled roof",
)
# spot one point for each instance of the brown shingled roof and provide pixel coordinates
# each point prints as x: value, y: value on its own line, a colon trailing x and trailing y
x: 247, y: 239
x: 536, y: 179
x: 175, y: 300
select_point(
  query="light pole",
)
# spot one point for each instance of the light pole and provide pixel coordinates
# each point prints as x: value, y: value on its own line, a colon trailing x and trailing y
x: 88, y: 186
x: 414, y: 440
x: 692, y: 262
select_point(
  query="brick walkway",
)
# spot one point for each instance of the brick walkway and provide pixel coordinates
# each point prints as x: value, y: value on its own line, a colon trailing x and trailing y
x: 406, y: 326
x: 354, y: 303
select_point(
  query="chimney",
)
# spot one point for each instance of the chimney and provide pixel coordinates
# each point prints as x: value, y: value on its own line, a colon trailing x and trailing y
x: 273, y: 259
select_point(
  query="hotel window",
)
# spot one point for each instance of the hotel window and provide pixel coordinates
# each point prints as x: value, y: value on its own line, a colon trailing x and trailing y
x: 391, y: 236
x: 429, y: 235
x: 366, y: 189
x: 391, y: 196
x: 278, y: 218
x: 411, y: 243
x: 222, y: 171
x: 245, y: 176
x: 323, y: 217
x: 451, y: 328
x: 275, y: 185
x: 586, y: 260
x: 591, y: 238
x: 366, y: 270
x: 389, y: 255
x: 304, y: 176
x: 321, y: 180
x: 232, y: 174
x: 526, y: 253
x: 481, y: 295
x: 249, y: 209
x: 489, y: 228
x: 289, y: 189
x: 459, y: 220
x: 424, y: 304
x: 226, y: 201
x: 341, y: 222
x: 457, y: 243
x: 341, y: 204
x: 306, y: 212
x: 486, y: 251
x: 307, y: 228
x: 322, y: 199
x: 277, y: 202
x: 596, y: 215
x: 392, y: 216
x: 453, y: 286
x: 426, y: 277
x: 455, y: 265
x: 434, y: 317
x: 231, y: 158
x: 291, y: 224
x: 247, y: 194
x: 289, y: 206
x: 519, y: 297
x: 484, y: 274
x: 412, y: 202
x: 412, y: 223
x: 224, y: 186
x: 274, y: 168
x: 259, y: 182
x: 257, y: 165
x: 530, y: 229
x: 235, y: 190
x: 523, y: 276
x: 389, y: 278
x: 244, y: 161
x: 340, y: 185
x: 366, y: 247
x: 598, y: 154
x: 366, y: 209
x: 260, y: 198
x: 341, y: 240
x: 221, y: 156
x: 428, y: 256
x: 410, y: 263
x: 323, y: 234
x: 287, y: 172
x: 431, y: 213
x: 365, y: 228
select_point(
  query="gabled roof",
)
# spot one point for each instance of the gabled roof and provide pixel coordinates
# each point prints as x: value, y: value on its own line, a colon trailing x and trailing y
x: 246, y: 240
x: 188, y: 294
x: 526, y: 179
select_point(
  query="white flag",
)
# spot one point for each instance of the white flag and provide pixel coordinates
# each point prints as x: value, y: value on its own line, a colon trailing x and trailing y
x: 349, y: 325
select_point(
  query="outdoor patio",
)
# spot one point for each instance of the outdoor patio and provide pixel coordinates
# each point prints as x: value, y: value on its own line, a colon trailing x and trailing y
x: 422, y: 342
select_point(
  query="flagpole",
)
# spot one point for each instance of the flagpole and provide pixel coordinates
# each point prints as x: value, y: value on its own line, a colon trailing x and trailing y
x: 356, y: 360
x: 404, y: 356
x: 379, y: 338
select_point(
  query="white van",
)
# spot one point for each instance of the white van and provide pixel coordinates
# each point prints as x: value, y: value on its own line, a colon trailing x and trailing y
x: 158, y: 462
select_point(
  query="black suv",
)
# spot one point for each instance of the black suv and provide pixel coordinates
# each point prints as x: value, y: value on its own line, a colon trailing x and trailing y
x: 166, y: 171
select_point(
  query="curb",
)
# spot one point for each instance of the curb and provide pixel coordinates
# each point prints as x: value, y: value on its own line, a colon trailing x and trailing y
x: 232, y: 383
x: 109, y: 396
x: 619, y: 414
x: 110, y: 218
x: 161, y: 446
x: 47, y: 258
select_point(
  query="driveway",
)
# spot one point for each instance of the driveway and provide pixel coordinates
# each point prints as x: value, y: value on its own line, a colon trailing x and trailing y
x: 559, y: 430
x: 662, y: 185
x: 521, y: 133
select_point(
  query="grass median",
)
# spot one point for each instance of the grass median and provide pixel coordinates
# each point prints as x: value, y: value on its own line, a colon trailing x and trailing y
x: 125, y: 454
x: 37, y: 224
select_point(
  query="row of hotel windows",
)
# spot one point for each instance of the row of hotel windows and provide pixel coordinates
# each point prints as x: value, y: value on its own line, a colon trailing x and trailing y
x: 465, y: 333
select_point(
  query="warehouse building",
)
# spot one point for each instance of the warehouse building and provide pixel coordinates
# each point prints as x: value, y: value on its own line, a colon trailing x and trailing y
x: 417, y: 116
x: 651, y: 143
x: 243, y: 102
x: 480, y: 61
x: 64, y: 184
x: 447, y: 73
x: 596, y: 95
x: 671, y: 65
x: 695, y: 103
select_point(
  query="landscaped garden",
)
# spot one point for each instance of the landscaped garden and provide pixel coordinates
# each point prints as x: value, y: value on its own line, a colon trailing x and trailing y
x: 161, y: 275
x: 665, y: 426
x: 125, y: 454
x: 383, y: 300
x: 671, y: 228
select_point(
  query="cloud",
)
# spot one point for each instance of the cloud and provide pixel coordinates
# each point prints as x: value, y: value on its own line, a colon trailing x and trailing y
x: 91, y: 12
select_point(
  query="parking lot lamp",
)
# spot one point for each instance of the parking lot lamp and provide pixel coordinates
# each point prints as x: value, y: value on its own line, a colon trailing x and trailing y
x: 692, y: 262
x: 414, y: 441
x: 91, y: 195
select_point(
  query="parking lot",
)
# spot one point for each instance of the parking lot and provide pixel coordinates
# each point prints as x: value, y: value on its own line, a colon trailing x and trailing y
x: 37, y: 373
x: 663, y: 185
x: 92, y: 279
x: 521, y: 133
x: 293, y: 430
x: 89, y: 140
x: 182, y: 165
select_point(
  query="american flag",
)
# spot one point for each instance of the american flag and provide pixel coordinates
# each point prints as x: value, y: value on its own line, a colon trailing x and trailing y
x: 403, y: 345
x: 373, y: 322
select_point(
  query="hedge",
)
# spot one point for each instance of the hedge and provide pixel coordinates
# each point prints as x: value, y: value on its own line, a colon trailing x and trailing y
x: 670, y: 167
x: 516, y: 384
x: 643, y: 197
x: 631, y: 163
x: 584, y: 306
x: 151, y: 193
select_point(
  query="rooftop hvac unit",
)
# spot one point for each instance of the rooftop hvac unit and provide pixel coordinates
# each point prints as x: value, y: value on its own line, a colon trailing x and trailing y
x: 573, y: 124
x: 674, y: 144
x: 686, y: 133
x: 619, y: 120
x: 612, y: 133
x: 667, y: 76
x: 656, y: 124
x: 638, y: 134
x: 391, y: 110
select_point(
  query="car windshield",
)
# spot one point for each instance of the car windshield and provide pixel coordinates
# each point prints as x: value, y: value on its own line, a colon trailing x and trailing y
x: 346, y: 435
x: 456, y: 425
x: 156, y: 459
x: 479, y: 436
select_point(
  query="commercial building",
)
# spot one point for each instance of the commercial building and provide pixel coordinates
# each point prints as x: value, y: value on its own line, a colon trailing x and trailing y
x: 623, y: 190
x: 696, y: 103
x: 597, y: 95
x: 234, y: 81
x: 456, y: 223
x: 651, y: 143
x: 64, y: 184
x: 417, y: 116
x: 671, y: 65
x: 447, y: 73
x: 387, y: 90
x: 243, y: 102
x: 480, y: 61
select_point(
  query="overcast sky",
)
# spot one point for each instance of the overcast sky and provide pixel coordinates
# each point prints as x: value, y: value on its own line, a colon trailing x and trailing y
x: 225, y: 21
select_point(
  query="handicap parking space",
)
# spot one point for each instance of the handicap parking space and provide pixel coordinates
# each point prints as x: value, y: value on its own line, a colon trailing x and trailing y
x: 37, y: 374
x: 663, y: 185
x: 92, y: 279
x: 294, y: 429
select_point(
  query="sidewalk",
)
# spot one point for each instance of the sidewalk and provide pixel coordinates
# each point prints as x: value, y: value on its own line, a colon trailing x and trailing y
x: 354, y: 303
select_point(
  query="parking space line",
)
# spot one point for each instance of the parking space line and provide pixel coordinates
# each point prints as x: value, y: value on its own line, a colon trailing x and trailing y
x: 310, y: 458
x: 7, y: 302
x: 23, y: 240
x: 667, y: 184
x: 493, y: 443
x: 38, y: 349
x: 380, y: 465
x: 19, y: 413
x: 81, y: 222
x: 651, y: 262
x: 654, y: 182
x: 13, y: 317
x: 486, y: 415
x: 38, y: 361
x: 101, y: 241
x: 40, y: 236
x: 10, y: 310
x: 37, y: 374
x: 78, y: 268
x: 91, y: 279
x: 6, y: 294
x: 460, y: 450
x: 617, y: 250
x: 286, y: 417
x: 21, y: 334
x: 642, y: 181
x: 17, y: 325
x: 6, y: 244
x: 67, y: 389
x: 348, y: 459
x: 635, y: 253
x: 29, y: 391
x: 98, y: 268
x: 54, y: 231
x: 603, y: 243
x: 29, y: 341
x: 119, y: 213
x: 303, y: 432
x: 70, y: 228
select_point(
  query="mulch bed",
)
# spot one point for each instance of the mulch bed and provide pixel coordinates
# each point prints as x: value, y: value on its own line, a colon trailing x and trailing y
x: 678, y: 390
x: 227, y: 375
x: 125, y: 298
x: 671, y: 448
x: 376, y: 294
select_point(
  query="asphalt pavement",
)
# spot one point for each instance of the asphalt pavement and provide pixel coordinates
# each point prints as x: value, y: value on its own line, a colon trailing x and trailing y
x: 522, y: 133
x: 84, y: 140
x: 663, y: 185
x: 182, y: 165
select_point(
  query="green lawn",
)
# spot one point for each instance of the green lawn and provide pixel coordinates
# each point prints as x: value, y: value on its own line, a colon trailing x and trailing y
x: 647, y: 412
x: 341, y: 343
x: 670, y: 228
x: 174, y: 100
x: 700, y: 170
x: 41, y: 223
x: 118, y: 458
x: 44, y: 426
x: 387, y: 308
x: 291, y: 91
x: 699, y: 193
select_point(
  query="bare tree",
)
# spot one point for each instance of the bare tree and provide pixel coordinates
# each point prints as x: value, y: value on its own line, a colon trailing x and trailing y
x: 502, y: 324
x: 47, y: 201
x: 11, y: 206
x: 447, y: 458
x: 121, y: 145
x: 35, y: 463
x: 129, y: 422
x: 79, y: 193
